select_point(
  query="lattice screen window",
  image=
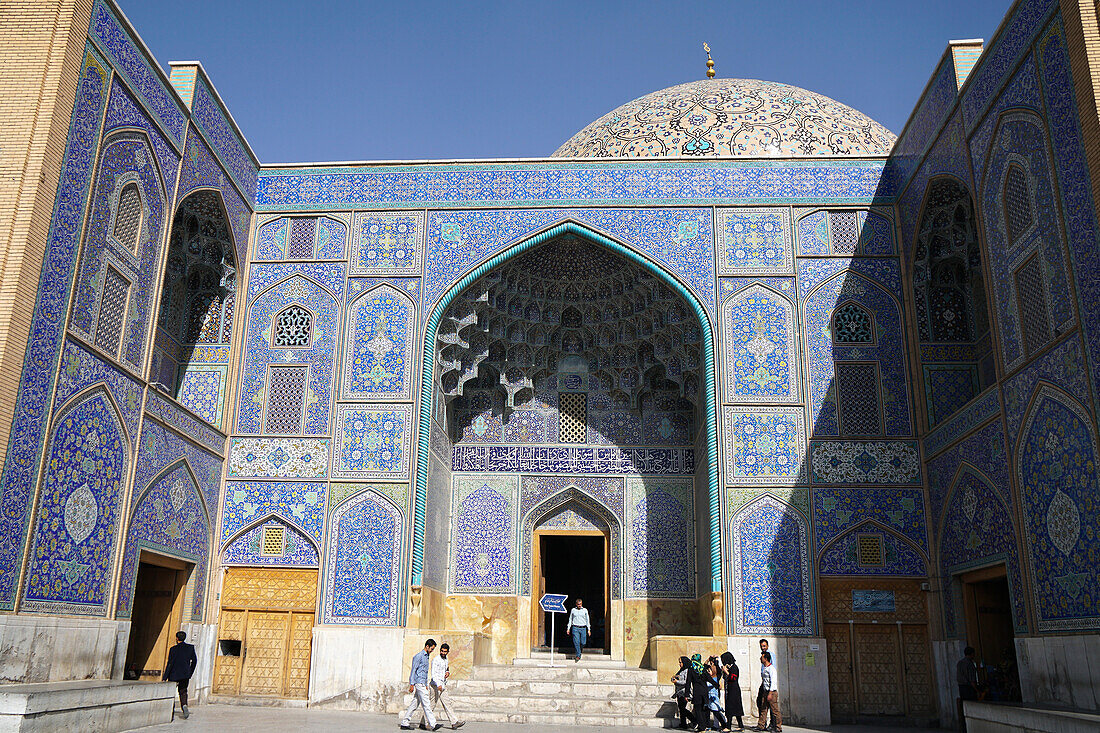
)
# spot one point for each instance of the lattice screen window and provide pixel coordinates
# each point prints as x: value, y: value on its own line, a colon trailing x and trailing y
x: 286, y: 387
x: 852, y: 325
x: 870, y: 550
x: 1017, y: 202
x: 293, y: 328
x: 112, y: 311
x: 128, y: 217
x: 273, y: 541
x: 300, y: 245
x: 857, y: 398
x: 1031, y: 300
x: 844, y: 232
x: 572, y: 417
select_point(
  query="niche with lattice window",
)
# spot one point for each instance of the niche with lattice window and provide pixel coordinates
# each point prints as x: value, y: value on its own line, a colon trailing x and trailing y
x: 573, y: 417
x: 1016, y: 198
x: 112, y: 311
x: 870, y: 551
x: 286, y: 399
x: 857, y: 396
x: 292, y: 328
x: 1032, y: 304
x: 128, y: 216
x: 273, y: 541
x: 852, y: 324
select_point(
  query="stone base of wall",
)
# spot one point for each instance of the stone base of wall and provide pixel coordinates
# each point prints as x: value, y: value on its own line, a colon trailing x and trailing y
x: 985, y: 717
x: 1060, y: 670
x: 87, y: 705
x: 945, y: 654
x: 357, y: 668
x: 55, y: 649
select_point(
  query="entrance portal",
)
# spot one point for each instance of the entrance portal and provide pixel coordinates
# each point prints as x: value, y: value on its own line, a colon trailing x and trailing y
x: 989, y: 629
x: 575, y: 564
x: 158, y: 608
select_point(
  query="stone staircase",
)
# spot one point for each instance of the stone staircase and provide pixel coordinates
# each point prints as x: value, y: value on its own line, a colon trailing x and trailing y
x: 594, y: 691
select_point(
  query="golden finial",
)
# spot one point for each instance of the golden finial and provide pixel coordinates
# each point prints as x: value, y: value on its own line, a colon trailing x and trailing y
x: 710, y: 61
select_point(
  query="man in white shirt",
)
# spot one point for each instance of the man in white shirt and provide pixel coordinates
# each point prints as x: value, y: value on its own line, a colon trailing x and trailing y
x: 769, y: 693
x: 438, y: 684
x: 580, y: 626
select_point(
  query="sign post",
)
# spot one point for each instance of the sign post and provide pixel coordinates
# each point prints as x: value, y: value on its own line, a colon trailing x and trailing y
x: 553, y: 604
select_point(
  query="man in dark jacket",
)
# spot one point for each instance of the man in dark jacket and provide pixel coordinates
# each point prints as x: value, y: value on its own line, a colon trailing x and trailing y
x: 180, y: 666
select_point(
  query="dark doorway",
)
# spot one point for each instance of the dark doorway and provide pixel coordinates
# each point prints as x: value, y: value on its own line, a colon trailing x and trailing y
x: 989, y: 630
x: 158, y: 609
x: 575, y: 565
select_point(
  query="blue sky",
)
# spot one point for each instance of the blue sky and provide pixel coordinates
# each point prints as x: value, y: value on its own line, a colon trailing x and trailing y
x: 341, y: 80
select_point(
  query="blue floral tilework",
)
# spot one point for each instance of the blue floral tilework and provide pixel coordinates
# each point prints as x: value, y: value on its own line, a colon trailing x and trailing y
x: 300, y: 504
x: 761, y: 353
x: 484, y: 534
x: 202, y: 390
x: 73, y: 546
x: 362, y: 568
x: 764, y: 445
x: 838, y: 510
x: 81, y: 369
x: 387, y: 243
x: 771, y: 570
x: 298, y: 550
x: 865, y: 462
x: 279, y: 457
x: 899, y: 557
x: 32, y: 404
x: 208, y: 116
x: 754, y: 241
x: 378, y: 353
x: 659, y: 558
x: 372, y: 442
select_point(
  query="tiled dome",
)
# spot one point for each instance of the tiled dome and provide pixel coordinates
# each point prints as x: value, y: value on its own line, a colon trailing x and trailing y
x: 723, y: 118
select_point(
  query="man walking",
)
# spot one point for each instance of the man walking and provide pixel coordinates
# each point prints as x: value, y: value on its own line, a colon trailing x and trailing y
x: 769, y: 693
x: 418, y: 686
x: 580, y: 626
x: 761, y: 696
x: 179, y: 668
x: 440, y: 672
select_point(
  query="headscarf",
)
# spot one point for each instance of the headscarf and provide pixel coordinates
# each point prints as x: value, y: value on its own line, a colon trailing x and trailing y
x: 697, y: 663
x: 684, y: 662
x: 727, y: 658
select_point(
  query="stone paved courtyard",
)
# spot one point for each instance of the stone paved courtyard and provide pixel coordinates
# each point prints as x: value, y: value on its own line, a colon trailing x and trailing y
x: 236, y: 719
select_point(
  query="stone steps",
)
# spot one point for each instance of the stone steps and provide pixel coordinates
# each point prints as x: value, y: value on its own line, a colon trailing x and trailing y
x: 584, y: 693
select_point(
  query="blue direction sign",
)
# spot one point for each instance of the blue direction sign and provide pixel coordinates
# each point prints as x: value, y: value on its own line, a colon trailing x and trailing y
x: 553, y: 602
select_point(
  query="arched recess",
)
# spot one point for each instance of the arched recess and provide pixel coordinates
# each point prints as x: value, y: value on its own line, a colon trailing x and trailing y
x: 169, y: 517
x: 844, y: 555
x: 851, y: 384
x: 951, y: 299
x: 483, y: 543
x: 246, y: 545
x: 378, y: 353
x: 767, y: 534
x: 288, y: 390
x: 198, y: 300
x: 71, y: 559
x: 114, y: 294
x: 977, y: 529
x: 362, y: 582
x: 1057, y: 453
x: 428, y: 380
x: 760, y: 346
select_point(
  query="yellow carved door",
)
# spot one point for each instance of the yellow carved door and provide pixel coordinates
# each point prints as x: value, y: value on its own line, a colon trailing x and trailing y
x: 842, y: 703
x: 918, y: 674
x: 878, y: 661
x: 265, y: 650
x: 265, y: 632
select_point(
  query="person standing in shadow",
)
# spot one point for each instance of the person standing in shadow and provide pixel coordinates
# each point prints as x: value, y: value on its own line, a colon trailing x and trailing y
x: 580, y: 626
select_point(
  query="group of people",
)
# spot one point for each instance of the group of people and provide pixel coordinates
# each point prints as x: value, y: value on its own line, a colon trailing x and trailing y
x: 430, y: 674
x: 713, y: 688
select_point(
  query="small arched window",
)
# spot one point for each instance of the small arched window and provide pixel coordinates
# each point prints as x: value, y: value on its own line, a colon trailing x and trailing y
x: 1017, y: 202
x: 293, y: 328
x: 852, y: 325
x: 127, y: 228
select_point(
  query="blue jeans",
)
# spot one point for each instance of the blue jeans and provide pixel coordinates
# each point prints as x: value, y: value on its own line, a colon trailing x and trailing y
x: 580, y: 637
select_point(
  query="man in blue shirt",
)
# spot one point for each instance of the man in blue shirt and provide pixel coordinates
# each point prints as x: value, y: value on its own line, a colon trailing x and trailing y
x: 418, y: 685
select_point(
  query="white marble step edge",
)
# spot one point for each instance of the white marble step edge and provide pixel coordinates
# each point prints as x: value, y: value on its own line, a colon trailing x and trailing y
x: 564, y: 674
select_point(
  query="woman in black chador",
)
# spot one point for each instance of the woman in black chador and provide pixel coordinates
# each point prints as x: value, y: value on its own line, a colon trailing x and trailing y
x: 731, y: 674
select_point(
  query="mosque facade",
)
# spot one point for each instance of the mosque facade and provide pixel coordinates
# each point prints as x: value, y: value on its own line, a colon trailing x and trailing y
x: 733, y: 362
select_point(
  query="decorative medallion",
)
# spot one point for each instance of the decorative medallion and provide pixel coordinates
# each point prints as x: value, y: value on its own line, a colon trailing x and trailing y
x: 81, y: 513
x: 1063, y: 522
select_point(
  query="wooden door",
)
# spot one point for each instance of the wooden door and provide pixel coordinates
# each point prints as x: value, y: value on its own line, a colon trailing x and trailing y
x: 157, y: 610
x: 227, y: 663
x: 878, y: 664
x: 265, y: 653
x: 918, y: 672
x: 842, y: 694
x: 298, y: 653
